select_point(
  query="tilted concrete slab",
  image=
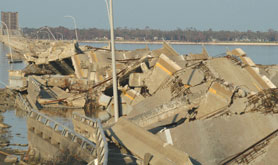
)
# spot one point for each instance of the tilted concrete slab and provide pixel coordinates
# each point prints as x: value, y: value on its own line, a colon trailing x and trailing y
x: 192, y: 77
x: 161, y: 97
x: 203, y: 56
x: 269, y: 155
x: 164, y: 68
x: 78, y: 63
x: 130, y: 95
x: 141, y: 142
x: 60, y: 93
x: 166, y: 49
x: 249, y: 67
x: 165, y: 114
x: 136, y: 79
x: 223, y: 68
x: 217, y: 98
x: 213, y: 140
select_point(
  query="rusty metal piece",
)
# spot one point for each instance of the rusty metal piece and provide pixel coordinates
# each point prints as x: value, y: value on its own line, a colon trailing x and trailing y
x: 251, y: 152
x: 264, y: 101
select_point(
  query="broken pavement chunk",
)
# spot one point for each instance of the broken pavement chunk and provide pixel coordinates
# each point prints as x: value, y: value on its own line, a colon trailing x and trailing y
x: 129, y: 96
x: 104, y: 100
x: 166, y: 49
x: 139, y: 141
x: 164, y: 68
x: 144, y: 67
x: 203, y: 56
x: 136, y: 80
x: 192, y: 77
x: 217, y: 98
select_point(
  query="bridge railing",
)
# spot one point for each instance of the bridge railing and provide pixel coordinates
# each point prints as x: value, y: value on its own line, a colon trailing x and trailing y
x: 99, y: 150
x: 101, y: 143
x: 66, y: 132
x: 26, y: 105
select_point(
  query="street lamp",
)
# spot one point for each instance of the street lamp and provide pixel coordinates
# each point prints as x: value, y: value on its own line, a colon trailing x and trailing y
x: 50, y: 32
x: 8, y: 40
x: 115, y: 85
x: 74, y: 21
x: 47, y: 28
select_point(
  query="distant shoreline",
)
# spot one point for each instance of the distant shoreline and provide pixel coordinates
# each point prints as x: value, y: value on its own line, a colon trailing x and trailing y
x: 193, y: 43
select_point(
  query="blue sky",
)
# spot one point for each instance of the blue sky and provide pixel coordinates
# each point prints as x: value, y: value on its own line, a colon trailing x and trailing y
x: 239, y: 15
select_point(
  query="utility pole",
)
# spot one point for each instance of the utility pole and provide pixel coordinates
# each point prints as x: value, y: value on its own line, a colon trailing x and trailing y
x: 115, y: 85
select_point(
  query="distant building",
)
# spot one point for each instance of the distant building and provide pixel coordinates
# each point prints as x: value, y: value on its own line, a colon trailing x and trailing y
x: 11, y: 20
x: 120, y: 38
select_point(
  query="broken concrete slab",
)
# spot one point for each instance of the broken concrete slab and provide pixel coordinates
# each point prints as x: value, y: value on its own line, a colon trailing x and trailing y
x: 217, y: 98
x: 203, y: 56
x: 140, y: 142
x: 166, y: 49
x: 192, y: 77
x: 223, y: 68
x: 149, y: 103
x: 164, y: 68
x: 136, y: 80
x: 104, y: 100
x: 77, y: 101
x: 271, y: 71
x: 166, y: 114
x: 60, y: 93
x: 17, y: 79
x: 237, y: 52
x: 124, y: 108
x: 268, y: 154
x: 268, y: 82
x: 250, y: 67
x: 213, y: 140
x: 129, y: 96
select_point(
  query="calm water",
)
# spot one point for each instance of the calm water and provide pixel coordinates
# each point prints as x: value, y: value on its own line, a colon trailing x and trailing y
x: 260, y: 54
x: 17, y: 133
x: 5, y: 66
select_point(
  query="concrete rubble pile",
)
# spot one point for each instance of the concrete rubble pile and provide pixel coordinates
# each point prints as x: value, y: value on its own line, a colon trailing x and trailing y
x: 175, y: 109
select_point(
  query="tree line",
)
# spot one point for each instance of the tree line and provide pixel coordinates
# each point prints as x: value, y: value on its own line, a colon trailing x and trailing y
x: 148, y: 34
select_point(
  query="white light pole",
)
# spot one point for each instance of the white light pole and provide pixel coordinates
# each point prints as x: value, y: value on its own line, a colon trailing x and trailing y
x: 115, y: 85
x: 50, y: 32
x: 75, y: 27
x: 61, y: 35
x: 46, y: 27
x: 8, y: 40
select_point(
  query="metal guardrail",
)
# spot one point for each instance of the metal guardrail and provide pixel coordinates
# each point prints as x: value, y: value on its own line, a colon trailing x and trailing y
x: 25, y: 103
x: 102, y: 146
x: 66, y: 132
x: 99, y: 150
x: 38, y: 86
x: 35, y: 83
